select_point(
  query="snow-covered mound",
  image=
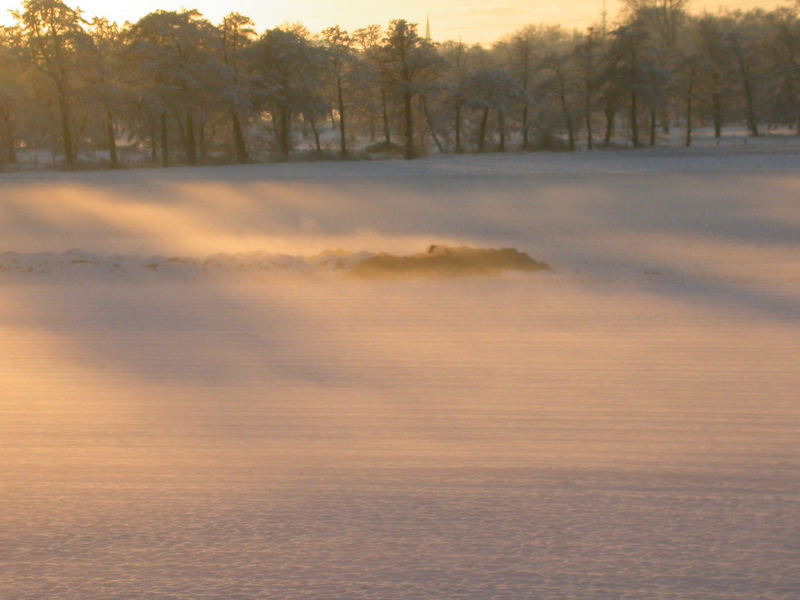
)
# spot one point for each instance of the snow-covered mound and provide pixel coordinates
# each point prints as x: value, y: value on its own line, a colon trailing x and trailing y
x: 444, y: 261
x: 439, y: 261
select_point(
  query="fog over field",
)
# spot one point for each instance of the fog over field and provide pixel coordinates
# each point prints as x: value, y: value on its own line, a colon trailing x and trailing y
x: 191, y: 407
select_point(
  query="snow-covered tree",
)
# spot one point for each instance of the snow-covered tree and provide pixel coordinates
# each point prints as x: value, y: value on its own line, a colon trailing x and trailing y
x: 53, y: 36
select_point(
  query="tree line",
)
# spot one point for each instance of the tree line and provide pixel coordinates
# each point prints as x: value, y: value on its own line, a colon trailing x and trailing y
x: 175, y: 88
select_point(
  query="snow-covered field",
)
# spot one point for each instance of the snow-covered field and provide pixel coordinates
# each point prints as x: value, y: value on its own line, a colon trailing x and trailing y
x: 624, y: 426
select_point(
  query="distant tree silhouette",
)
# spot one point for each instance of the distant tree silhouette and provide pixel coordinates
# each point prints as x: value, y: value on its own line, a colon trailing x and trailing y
x: 174, y: 88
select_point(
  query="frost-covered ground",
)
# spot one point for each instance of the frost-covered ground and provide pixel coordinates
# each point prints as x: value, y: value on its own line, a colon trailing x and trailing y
x: 625, y: 426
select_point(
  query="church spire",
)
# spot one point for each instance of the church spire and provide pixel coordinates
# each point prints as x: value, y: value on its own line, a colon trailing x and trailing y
x: 428, y: 27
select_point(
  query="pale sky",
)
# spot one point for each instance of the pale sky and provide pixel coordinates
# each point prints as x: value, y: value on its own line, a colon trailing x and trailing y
x: 471, y: 20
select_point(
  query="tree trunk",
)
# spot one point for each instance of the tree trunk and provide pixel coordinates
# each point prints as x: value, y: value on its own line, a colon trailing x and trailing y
x: 653, y: 125
x: 430, y: 125
x: 315, y: 133
x: 202, y: 143
x: 153, y: 142
x: 275, y: 120
x: 54, y: 142
x: 191, y: 151
x: 8, y: 152
x: 387, y: 132
x: 482, y: 133
x: 372, y: 128
x: 66, y: 131
x: 182, y: 133
x: 570, y: 133
x: 286, y: 133
x: 342, y: 136
x: 112, y: 139
x: 716, y: 104
x: 689, y: 115
x: 238, y: 139
x: 164, y: 141
x: 747, y: 88
x: 752, y: 122
x: 610, y: 114
x: 282, y: 120
x: 501, y: 118
x: 526, y: 143
x: 562, y: 94
x: 634, y: 119
x: 588, y: 119
x: 665, y: 121
x: 688, y: 141
x: 459, y: 149
x: 408, y: 115
x: 525, y: 133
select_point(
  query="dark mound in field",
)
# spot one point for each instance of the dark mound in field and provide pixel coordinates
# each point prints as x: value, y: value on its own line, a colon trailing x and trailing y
x: 444, y: 261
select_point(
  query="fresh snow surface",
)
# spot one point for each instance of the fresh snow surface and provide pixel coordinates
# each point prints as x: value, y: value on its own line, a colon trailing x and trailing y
x: 436, y: 262
x: 626, y: 425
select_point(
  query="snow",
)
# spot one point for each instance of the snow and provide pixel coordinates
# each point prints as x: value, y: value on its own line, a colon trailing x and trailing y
x: 436, y: 262
x: 623, y: 426
x: 77, y: 264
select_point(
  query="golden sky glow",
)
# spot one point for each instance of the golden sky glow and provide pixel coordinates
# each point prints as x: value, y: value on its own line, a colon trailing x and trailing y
x: 471, y: 20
